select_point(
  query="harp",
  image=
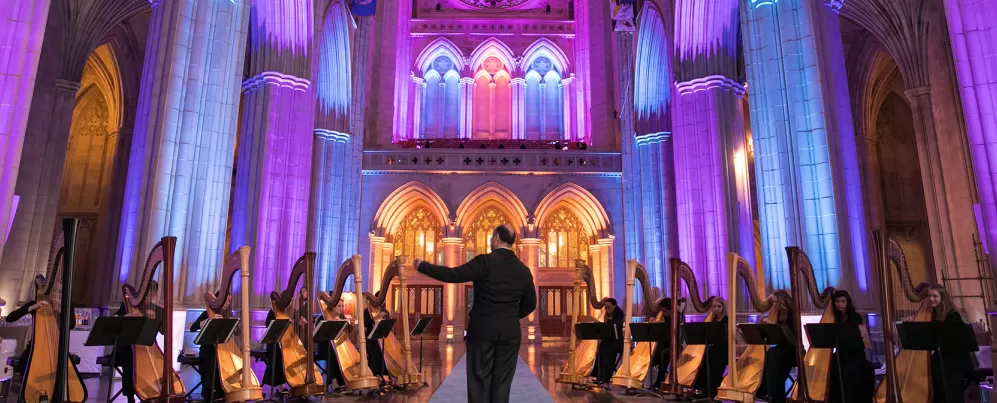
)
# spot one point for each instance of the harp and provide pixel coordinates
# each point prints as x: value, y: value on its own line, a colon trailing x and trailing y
x: 744, y: 373
x: 907, y: 372
x: 152, y: 384
x: 49, y: 373
x: 637, y: 362
x: 686, y: 365
x: 299, y: 360
x: 581, y: 355
x: 352, y: 361
x: 811, y: 383
x: 397, y: 356
x: 237, y: 379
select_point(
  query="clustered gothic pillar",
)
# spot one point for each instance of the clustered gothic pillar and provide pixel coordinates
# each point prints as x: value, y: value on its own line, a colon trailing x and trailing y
x: 714, y: 207
x: 518, y: 85
x: 466, y: 106
x: 358, y: 130
x: 180, y: 167
x: 24, y: 22
x: 976, y: 70
x: 270, y: 210
x: 806, y: 159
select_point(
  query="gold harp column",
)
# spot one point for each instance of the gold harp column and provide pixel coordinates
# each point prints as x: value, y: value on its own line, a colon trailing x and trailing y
x: 453, y: 324
x: 406, y: 340
x: 579, y: 303
x: 623, y: 376
x: 247, y: 374
x: 531, y: 257
x: 364, y: 370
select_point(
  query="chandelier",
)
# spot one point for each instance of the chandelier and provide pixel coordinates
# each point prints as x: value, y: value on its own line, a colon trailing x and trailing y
x: 494, y: 3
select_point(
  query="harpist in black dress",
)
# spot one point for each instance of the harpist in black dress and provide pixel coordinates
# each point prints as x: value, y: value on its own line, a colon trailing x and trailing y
x: 711, y: 371
x: 608, y: 351
x: 948, y: 380
x: 856, y: 372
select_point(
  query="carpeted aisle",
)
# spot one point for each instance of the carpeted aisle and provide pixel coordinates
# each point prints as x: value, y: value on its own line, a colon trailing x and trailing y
x: 525, y: 386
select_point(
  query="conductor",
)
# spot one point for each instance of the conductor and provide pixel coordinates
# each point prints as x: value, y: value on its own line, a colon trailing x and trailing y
x: 503, y: 294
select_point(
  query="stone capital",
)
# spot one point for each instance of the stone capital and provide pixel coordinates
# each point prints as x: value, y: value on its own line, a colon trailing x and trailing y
x: 67, y: 85
x: 710, y: 82
x: 275, y: 78
x: 919, y: 92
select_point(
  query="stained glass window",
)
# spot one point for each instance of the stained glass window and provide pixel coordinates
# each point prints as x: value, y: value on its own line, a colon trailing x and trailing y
x: 420, y: 236
x: 478, y: 235
x: 562, y: 240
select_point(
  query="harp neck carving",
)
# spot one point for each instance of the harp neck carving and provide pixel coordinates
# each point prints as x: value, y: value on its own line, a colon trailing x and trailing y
x: 331, y: 298
x: 390, y: 273
x: 684, y: 272
x: 756, y: 294
x: 161, y: 254
x: 896, y: 255
x: 233, y: 264
x: 282, y: 299
x: 589, y: 278
x: 801, y: 263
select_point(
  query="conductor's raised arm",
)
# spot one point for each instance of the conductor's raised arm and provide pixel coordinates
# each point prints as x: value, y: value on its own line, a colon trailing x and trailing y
x: 466, y: 272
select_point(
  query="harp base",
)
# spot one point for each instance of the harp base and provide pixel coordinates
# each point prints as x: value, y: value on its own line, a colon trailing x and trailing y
x: 628, y: 382
x: 244, y: 395
x: 570, y: 378
x: 410, y: 380
x: 166, y: 399
x: 362, y: 383
x: 308, y: 389
x: 735, y: 395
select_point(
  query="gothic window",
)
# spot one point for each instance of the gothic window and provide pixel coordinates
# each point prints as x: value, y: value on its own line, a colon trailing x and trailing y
x: 440, y: 100
x: 420, y: 236
x: 544, y: 101
x: 478, y: 235
x: 562, y: 240
x: 492, y: 119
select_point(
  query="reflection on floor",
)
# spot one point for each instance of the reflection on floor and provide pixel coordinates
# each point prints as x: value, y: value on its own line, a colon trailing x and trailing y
x: 544, y: 361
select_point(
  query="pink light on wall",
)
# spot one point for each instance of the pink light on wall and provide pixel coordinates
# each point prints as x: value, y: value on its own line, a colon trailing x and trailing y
x: 285, y: 24
x: 704, y: 28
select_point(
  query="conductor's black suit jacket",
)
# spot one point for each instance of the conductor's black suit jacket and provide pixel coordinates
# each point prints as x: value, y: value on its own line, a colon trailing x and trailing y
x: 503, y: 293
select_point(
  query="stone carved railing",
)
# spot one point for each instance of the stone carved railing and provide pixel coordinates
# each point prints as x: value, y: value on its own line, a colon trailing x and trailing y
x: 490, y: 160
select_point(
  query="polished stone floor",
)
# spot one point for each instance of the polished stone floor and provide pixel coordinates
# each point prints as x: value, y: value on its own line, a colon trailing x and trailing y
x: 543, y: 361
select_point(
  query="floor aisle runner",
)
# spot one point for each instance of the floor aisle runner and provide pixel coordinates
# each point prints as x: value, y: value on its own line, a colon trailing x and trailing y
x: 525, y: 386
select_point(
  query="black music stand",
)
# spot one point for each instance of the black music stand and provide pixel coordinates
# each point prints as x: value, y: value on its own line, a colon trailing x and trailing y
x: 705, y: 334
x: 214, y: 332
x: 274, y: 331
x: 596, y: 331
x: 947, y: 337
x: 382, y: 329
x: 418, y: 331
x: 837, y: 336
x: 766, y: 334
x: 121, y: 332
x: 652, y: 332
x: 326, y: 332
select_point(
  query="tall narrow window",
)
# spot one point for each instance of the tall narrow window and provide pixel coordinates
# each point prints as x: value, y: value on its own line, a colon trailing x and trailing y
x: 440, y: 99
x: 562, y: 240
x: 544, y: 103
x: 420, y: 236
x: 492, y: 101
x: 477, y: 237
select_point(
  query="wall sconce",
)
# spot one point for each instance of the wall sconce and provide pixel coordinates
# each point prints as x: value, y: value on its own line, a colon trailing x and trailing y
x: 531, y: 334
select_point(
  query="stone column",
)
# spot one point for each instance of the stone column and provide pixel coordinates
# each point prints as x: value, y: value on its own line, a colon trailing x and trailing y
x: 531, y: 257
x: 543, y: 107
x: 453, y: 321
x: 330, y: 169
x: 419, y: 89
x: 806, y: 155
x: 24, y: 22
x: 358, y: 131
x: 518, y: 85
x: 976, y: 71
x: 180, y: 167
x: 466, y: 107
x: 38, y: 185
x: 272, y: 181
x: 567, y: 106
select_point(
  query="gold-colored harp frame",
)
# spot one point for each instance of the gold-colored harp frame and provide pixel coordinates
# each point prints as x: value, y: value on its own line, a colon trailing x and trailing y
x: 812, y: 382
x: 299, y: 359
x: 637, y: 362
x: 581, y: 355
x: 681, y: 380
x: 397, y: 356
x: 237, y: 378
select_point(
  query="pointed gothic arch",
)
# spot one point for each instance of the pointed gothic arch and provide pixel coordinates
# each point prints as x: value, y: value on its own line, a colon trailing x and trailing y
x: 544, y: 47
x: 408, y: 197
x: 437, y: 48
x: 579, y: 202
x: 492, y: 194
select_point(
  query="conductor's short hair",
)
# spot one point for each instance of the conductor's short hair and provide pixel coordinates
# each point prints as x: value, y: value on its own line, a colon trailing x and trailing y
x: 505, y: 234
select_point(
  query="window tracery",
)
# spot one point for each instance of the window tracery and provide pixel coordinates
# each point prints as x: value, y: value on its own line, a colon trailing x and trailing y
x: 478, y: 235
x: 419, y: 236
x: 562, y: 240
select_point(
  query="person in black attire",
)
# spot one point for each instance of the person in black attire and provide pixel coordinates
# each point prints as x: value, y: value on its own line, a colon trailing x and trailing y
x: 209, y: 359
x: 375, y: 357
x: 948, y: 380
x: 274, y: 373
x: 661, y: 356
x: 503, y: 294
x: 29, y: 308
x: 856, y: 372
x: 608, y: 351
x: 711, y: 371
x: 124, y: 355
x: 781, y: 358
x: 325, y: 351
